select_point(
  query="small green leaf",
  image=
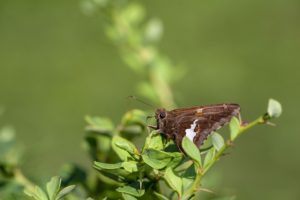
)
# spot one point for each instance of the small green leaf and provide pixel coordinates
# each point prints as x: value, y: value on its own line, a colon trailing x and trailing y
x: 115, y: 169
x: 160, y: 196
x: 156, y: 159
x: 191, y: 150
x: 53, y: 187
x: 28, y: 192
x: 31, y: 194
x: 99, y: 165
x: 130, y: 166
x: 234, y: 127
x: 217, y: 140
x: 118, y: 141
x: 176, y: 160
x: 173, y: 181
x: 184, y: 166
x: 154, y: 141
x: 274, y: 108
x: 131, y: 131
x: 153, y: 30
x: 188, y: 178
x: 115, y: 181
x: 131, y: 191
x: 134, y: 117
x: 209, y: 157
x: 37, y: 193
x: 65, y: 191
x: 128, y: 197
x: 99, y: 124
x: 133, y: 13
x: 127, y: 146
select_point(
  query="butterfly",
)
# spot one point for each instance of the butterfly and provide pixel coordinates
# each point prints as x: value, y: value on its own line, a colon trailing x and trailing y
x: 196, y: 123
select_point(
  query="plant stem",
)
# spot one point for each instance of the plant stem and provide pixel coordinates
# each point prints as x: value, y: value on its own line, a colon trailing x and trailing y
x: 192, y: 190
x: 21, y: 179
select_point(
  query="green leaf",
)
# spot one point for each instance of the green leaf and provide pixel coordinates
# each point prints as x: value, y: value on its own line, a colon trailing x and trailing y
x: 118, y: 141
x: 133, y: 13
x: 37, y: 193
x: 30, y: 194
x: 188, y: 177
x: 128, y: 197
x: 65, y: 191
x: 40, y: 193
x: 115, y: 181
x: 274, y: 108
x: 209, y: 157
x: 134, y: 117
x: 100, y: 165
x: 153, y: 30
x: 217, y: 140
x: 234, y: 127
x: 191, y: 150
x: 130, y: 166
x: 173, y: 181
x: 127, y: 146
x: 184, y: 166
x: 114, y: 169
x: 99, y: 124
x: 156, y: 159
x: 53, y: 187
x: 131, y: 191
x: 160, y: 196
x: 154, y: 141
x: 131, y: 131
x: 176, y: 160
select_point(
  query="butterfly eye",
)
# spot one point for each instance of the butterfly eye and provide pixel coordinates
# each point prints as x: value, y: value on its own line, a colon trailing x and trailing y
x: 162, y: 115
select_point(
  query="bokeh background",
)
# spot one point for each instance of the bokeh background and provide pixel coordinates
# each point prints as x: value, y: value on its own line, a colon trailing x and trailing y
x: 57, y: 65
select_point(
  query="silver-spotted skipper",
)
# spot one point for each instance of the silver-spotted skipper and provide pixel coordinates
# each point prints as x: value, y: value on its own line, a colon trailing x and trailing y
x: 196, y: 122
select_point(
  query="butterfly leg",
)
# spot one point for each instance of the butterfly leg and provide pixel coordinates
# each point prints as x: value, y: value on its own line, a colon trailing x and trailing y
x: 153, y: 127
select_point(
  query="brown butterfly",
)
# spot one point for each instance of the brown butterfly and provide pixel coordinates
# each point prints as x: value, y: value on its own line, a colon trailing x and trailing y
x: 196, y: 122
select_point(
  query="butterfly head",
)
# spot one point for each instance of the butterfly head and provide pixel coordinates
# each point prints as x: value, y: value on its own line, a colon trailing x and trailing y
x: 160, y: 113
x: 160, y: 116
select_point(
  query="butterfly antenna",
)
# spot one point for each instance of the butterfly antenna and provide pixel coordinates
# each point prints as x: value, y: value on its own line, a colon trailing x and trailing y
x: 141, y: 101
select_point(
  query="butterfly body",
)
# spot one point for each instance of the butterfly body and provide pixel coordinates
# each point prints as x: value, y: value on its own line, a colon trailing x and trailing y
x: 195, y: 122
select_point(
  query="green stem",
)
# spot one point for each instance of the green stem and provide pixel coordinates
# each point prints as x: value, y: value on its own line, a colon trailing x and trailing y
x: 193, y: 189
x: 21, y: 179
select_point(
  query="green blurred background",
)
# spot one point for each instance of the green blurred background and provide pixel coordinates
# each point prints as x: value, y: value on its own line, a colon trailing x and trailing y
x: 56, y: 66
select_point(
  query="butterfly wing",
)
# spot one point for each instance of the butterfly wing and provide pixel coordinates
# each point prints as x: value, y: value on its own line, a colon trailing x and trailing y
x: 198, y: 122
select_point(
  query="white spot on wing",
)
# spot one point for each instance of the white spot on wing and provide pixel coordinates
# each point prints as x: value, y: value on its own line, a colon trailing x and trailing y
x: 199, y: 110
x: 190, y: 133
